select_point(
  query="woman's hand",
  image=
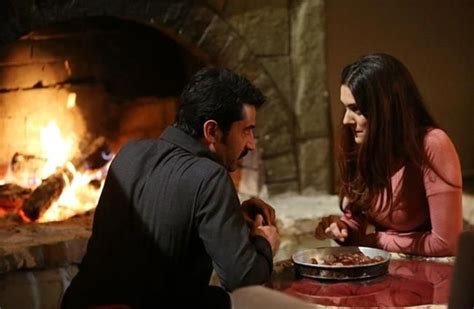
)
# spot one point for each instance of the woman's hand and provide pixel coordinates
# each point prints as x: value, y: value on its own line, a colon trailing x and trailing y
x: 331, y: 227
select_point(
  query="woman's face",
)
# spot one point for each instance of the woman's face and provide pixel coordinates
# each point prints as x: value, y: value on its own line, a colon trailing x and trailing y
x: 353, y: 117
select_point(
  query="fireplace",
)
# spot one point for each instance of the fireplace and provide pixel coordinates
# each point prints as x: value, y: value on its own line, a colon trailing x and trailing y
x: 95, y: 76
x: 71, y: 94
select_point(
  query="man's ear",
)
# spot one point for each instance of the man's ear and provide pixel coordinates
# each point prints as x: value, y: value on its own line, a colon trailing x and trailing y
x: 211, y: 132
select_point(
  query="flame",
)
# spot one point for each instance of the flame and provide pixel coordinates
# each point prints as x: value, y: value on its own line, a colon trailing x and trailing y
x: 56, y: 148
x: 79, y: 196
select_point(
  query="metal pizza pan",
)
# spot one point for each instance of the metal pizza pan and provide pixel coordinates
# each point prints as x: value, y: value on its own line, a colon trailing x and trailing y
x: 303, y: 265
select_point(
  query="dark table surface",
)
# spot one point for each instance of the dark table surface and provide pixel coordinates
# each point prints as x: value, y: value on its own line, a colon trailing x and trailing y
x: 409, y: 282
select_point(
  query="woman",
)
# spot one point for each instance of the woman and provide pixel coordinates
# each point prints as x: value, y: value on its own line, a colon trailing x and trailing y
x: 400, y: 172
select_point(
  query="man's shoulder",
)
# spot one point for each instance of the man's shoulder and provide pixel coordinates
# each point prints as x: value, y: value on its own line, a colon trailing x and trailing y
x: 137, y: 146
x: 171, y: 157
x: 205, y: 167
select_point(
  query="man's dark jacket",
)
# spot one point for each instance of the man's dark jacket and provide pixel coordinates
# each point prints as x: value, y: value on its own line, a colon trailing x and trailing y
x: 168, y: 214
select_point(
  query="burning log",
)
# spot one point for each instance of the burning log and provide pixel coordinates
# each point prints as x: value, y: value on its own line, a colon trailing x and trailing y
x: 12, y: 197
x: 46, y: 193
x: 52, y: 187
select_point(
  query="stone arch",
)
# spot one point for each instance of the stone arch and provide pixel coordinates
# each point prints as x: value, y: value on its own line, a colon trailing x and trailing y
x: 199, y: 29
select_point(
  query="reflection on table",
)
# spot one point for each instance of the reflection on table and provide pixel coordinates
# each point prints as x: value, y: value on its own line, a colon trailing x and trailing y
x: 408, y: 283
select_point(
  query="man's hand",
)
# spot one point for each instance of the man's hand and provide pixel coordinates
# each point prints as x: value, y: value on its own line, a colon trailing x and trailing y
x: 331, y: 227
x: 269, y: 232
x: 255, y: 206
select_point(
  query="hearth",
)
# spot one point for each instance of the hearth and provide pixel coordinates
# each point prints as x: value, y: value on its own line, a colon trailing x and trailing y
x: 72, y: 93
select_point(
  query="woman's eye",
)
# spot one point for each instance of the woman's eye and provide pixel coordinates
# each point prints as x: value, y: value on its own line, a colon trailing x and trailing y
x: 354, y: 108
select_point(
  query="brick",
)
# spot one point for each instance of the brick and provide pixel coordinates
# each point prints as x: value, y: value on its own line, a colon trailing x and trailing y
x: 277, y: 141
x: 263, y: 24
x: 195, y: 24
x: 29, y: 75
x: 290, y: 186
x: 18, y: 52
x: 281, y: 168
x: 315, y: 171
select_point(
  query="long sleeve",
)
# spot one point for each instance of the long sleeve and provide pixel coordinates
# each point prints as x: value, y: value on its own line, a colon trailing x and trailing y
x: 238, y: 259
x: 442, y: 184
x: 357, y: 227
x: 426, y: 215
x: 446, y: 225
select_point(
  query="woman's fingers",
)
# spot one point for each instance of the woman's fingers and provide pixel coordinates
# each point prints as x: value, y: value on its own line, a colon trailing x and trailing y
x: 321, y: 232
x: 336, y: 231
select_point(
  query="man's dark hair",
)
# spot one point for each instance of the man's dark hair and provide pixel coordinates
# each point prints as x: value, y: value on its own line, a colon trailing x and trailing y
x: 217, y: 94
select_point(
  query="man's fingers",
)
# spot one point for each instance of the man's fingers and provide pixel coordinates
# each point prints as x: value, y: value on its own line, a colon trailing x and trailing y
x: 259, y: 220
x: 255, y: 206
x: 271, y: 234
x: 265, y: 214
x: 247, y: 217
x: 267, y: 211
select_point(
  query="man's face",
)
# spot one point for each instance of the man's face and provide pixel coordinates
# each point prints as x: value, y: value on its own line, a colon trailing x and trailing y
x: 239, y: 141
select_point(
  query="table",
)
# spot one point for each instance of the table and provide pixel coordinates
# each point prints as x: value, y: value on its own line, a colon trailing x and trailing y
x: 410, y: 282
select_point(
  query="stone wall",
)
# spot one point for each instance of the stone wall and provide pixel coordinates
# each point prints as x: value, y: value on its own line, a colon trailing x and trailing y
x: 277, y: 44
x: 288, y: 39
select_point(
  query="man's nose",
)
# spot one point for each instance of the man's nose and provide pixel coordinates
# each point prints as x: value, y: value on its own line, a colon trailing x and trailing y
x: 348, y: 119
x: 251, y: 143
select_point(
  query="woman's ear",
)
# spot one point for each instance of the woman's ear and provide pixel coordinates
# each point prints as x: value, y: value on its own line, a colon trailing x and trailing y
x: 211, y: 132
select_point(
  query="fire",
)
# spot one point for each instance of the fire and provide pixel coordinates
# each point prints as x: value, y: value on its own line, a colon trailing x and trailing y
x: 77, y: 198
x: 56, y: 148
x: 82, y: 187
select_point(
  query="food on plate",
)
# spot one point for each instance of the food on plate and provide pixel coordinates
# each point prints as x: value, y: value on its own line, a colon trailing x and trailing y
x: 346, y: 258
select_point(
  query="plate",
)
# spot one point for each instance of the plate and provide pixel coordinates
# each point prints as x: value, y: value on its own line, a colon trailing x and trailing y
x: 302, y: 261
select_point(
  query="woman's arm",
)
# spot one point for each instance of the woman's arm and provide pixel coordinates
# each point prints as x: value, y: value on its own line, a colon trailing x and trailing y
x: 442, y: 182
x: 446, y: 225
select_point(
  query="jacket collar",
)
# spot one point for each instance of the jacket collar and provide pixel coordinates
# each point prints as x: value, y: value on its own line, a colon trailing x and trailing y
x: 181, y: 139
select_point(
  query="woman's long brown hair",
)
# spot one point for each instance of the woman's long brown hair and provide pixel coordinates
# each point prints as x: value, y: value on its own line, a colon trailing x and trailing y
x: 397, y: 122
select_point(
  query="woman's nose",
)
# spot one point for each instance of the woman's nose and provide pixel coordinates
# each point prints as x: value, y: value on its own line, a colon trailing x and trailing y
x: 348, y: 119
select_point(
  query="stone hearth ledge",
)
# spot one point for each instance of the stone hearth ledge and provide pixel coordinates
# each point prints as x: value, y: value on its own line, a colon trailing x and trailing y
x: 47, y: 245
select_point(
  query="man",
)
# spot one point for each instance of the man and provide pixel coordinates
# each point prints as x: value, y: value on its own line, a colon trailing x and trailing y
x: 169, y: 213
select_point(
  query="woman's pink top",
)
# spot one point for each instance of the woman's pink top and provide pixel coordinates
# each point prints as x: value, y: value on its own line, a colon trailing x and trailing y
x: 426, y: 215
